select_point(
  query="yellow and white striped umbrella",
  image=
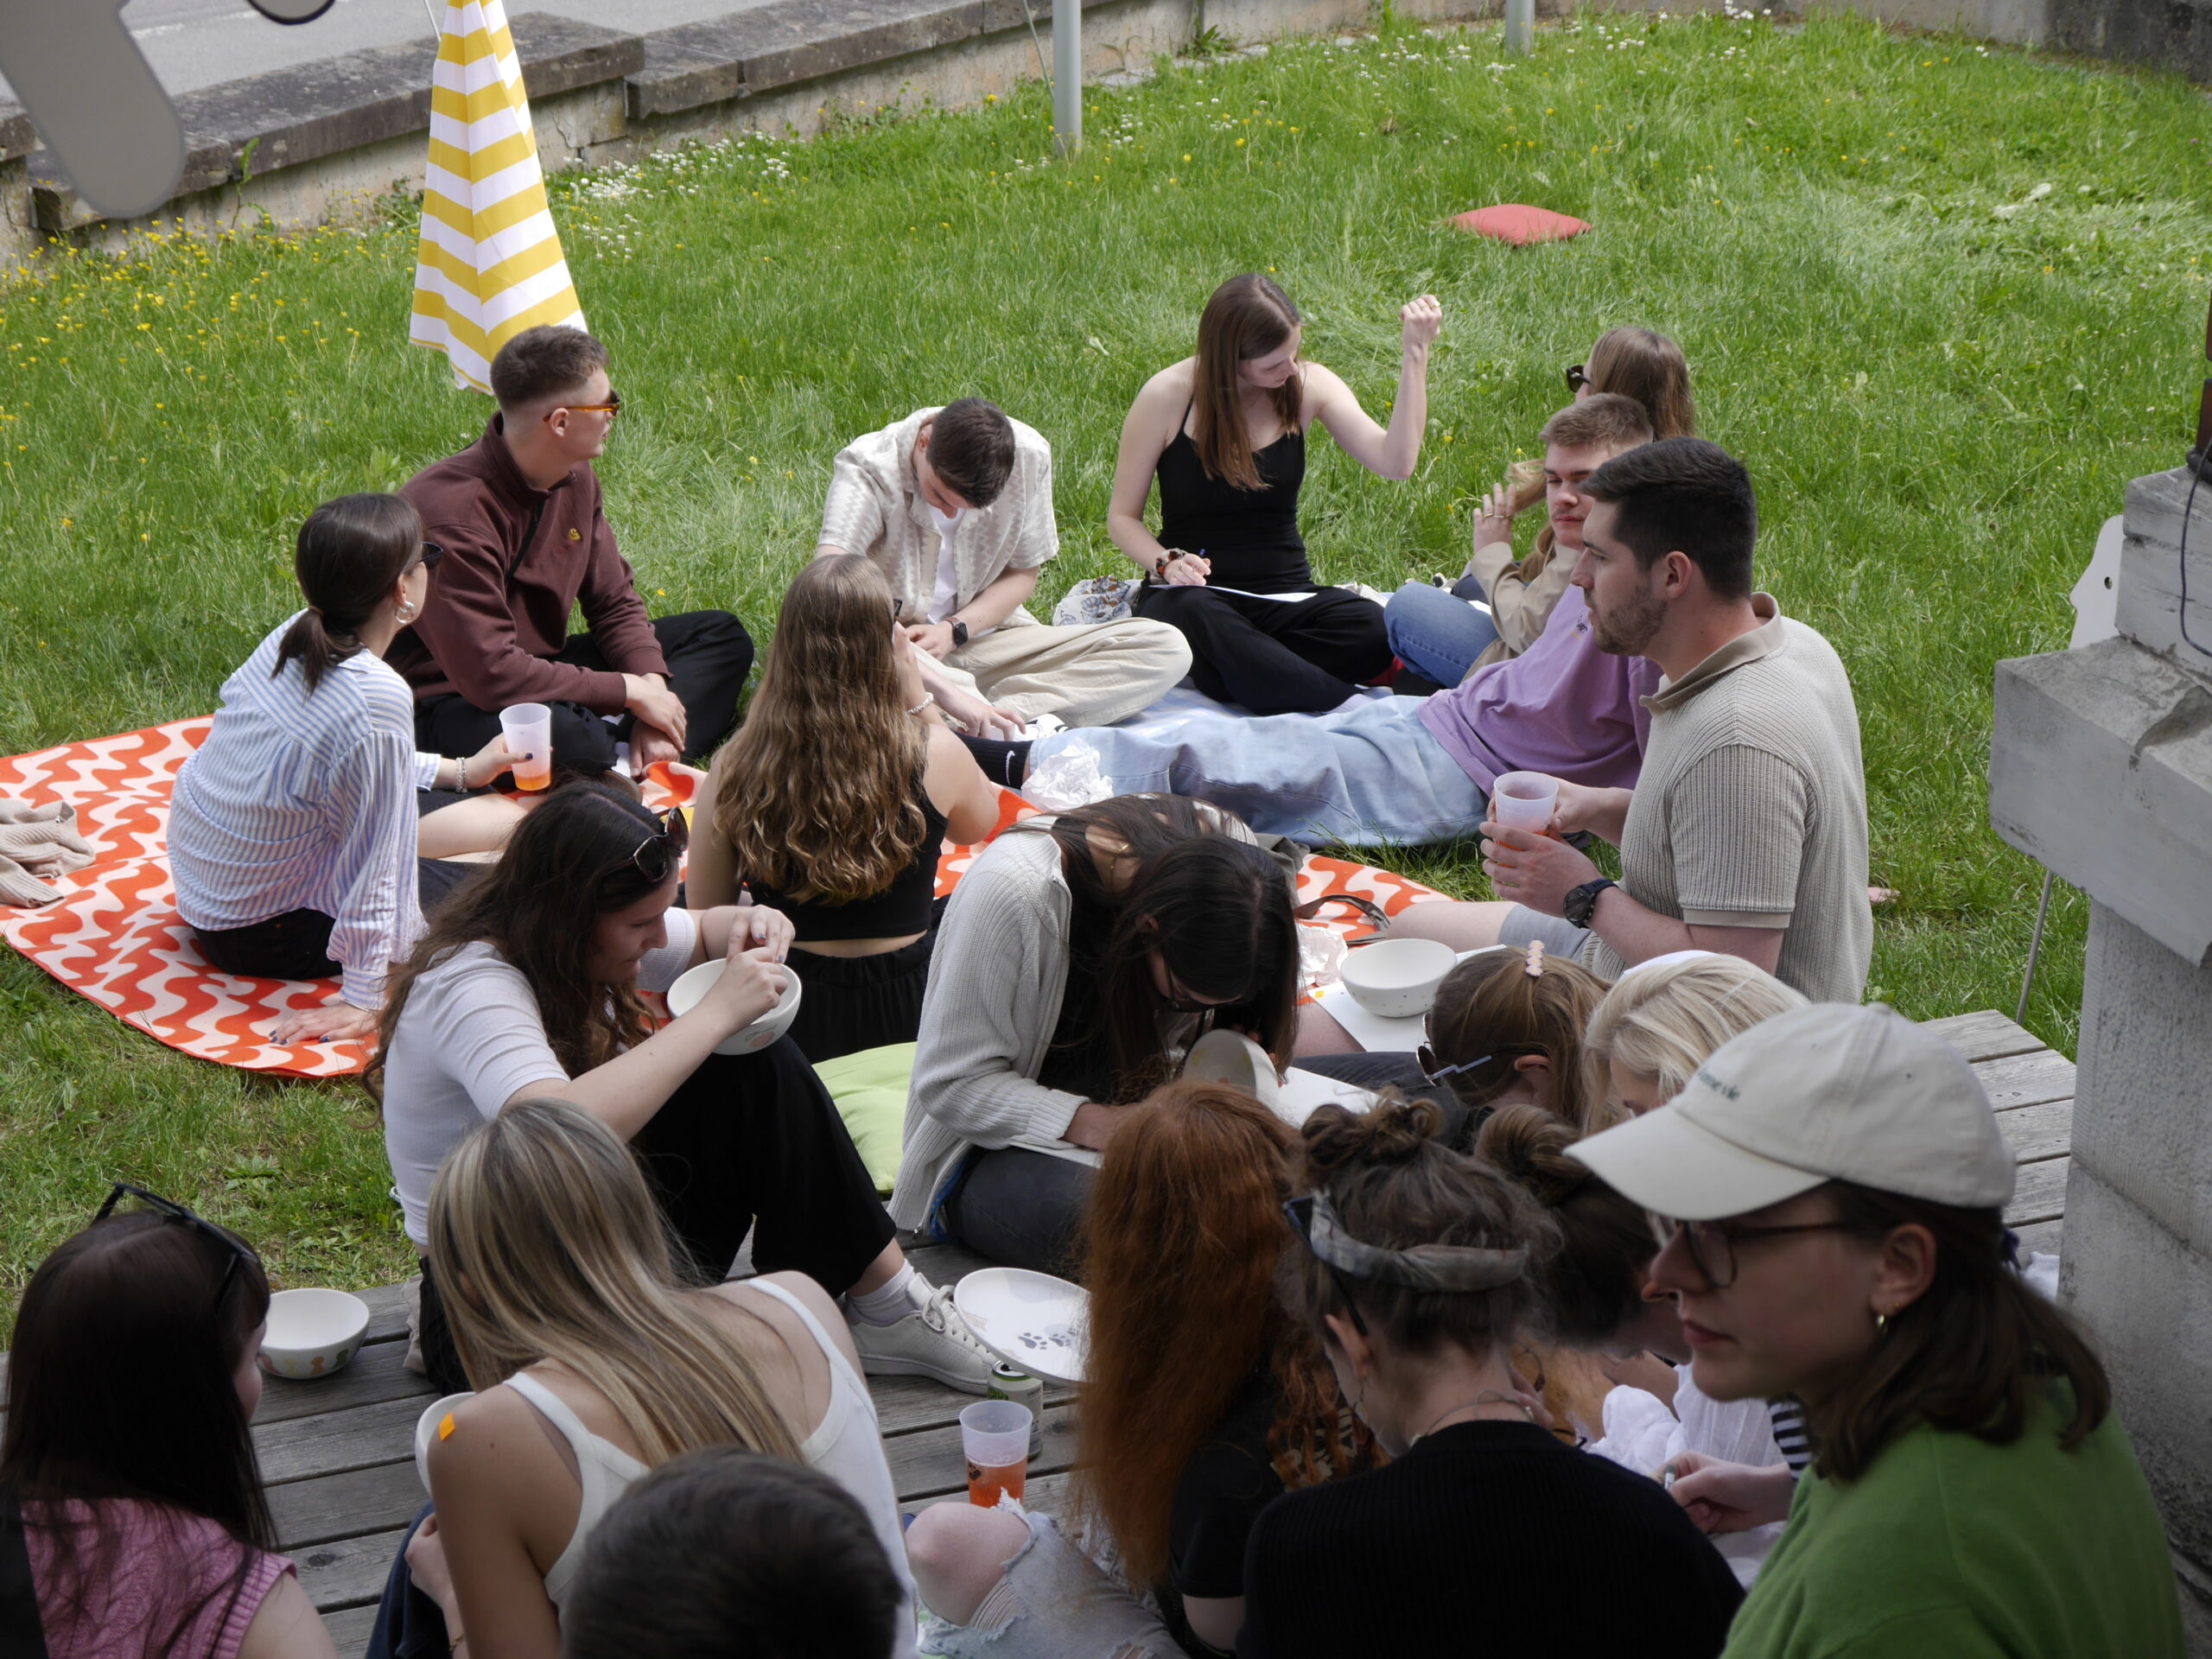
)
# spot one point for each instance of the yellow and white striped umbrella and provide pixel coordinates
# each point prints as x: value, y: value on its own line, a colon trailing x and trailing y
x: 490, y: 264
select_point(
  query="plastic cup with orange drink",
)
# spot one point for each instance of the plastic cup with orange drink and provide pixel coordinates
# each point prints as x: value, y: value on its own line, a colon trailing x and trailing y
x: 994, y: 1438
x: 528, y: 728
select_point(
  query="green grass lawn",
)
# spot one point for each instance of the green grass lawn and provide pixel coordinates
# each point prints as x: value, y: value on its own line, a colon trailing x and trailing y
x: 1944, y: 299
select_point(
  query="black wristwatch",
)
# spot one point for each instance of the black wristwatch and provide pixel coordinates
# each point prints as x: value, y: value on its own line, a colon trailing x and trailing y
x: 959, y: 633
x: 1581, y: 903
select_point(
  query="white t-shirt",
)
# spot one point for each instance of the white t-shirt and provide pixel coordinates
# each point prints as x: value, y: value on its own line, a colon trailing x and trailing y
x: 946, y: 599
x: 470, y: 1036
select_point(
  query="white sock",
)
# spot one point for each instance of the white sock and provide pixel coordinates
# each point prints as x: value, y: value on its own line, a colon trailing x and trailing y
x: 905, y: 1294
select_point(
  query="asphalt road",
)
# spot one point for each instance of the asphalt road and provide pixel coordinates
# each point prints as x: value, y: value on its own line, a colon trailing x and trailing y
x: 195, y: 43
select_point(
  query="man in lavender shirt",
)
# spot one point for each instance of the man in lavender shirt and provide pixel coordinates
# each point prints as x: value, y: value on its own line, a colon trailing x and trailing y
x: 1407, y: 769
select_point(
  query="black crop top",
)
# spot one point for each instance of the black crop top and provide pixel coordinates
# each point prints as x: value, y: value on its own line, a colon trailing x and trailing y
x: 902, y: 908
x: 1250, y: 537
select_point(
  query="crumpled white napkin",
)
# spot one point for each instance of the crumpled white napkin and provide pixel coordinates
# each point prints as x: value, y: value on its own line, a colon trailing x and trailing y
x: 37, y: 843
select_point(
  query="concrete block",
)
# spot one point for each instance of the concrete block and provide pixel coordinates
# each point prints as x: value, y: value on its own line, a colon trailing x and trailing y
x: 2145, y: 1102
x: 2146, y: 1296
x: 19, y: 231
x: 2100, y: 769
x: 2174, y: 34
x: 2150, y: 570
x: 17, y: 135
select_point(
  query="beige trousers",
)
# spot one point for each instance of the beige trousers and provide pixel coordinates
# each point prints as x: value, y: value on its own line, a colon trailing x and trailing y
x: 1088, y: 676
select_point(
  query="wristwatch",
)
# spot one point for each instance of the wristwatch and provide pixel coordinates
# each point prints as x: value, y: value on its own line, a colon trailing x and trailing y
x: 959, y: 633
x: 1581, y: 903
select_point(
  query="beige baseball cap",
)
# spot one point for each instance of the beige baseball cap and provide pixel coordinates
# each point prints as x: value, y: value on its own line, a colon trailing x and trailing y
x: 1828, y: 1092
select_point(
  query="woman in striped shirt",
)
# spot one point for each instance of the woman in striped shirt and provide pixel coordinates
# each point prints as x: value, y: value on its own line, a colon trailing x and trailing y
x: 292, y: 830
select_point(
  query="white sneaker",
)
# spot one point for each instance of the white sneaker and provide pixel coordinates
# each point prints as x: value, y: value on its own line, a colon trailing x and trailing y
x: 931, y: 1341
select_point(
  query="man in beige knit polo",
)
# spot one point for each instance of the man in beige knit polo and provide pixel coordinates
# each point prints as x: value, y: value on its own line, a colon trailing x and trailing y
x: 1746, y: 831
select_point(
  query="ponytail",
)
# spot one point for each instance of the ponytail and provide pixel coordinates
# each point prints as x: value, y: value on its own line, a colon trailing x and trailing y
x: 349, y: 553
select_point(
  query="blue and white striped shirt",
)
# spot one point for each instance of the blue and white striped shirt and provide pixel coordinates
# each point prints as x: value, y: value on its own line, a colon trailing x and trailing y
x: 298, y: 801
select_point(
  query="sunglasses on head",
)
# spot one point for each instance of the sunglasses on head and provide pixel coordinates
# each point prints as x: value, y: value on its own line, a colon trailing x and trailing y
x: 238, y: 1248
x: 658, y: 855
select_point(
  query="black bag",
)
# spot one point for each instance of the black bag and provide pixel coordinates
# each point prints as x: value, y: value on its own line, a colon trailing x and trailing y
x: 22, y: 1633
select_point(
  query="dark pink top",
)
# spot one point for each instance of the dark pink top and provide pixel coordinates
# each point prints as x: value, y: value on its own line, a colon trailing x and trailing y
x: 170, y: 1591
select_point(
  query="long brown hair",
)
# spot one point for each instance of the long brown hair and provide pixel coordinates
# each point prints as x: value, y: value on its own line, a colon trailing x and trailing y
x: 568, y: 863
x: 1215, y: 908
x: 1491, y: 1005
x: 551, y: 1247
x: 1246, y: 317
x: 821, y: 786
x: 1975, y: 1355
x: 127, y: 1341
x: 348, y: 554
x: 1195, y: 1181
x: 1634, y: 363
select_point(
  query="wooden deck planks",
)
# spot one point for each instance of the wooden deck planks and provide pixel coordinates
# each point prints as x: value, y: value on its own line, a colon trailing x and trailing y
x: 338, y: 1452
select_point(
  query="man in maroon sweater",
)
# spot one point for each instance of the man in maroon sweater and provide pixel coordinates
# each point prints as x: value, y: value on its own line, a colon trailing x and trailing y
x: 520, y: 515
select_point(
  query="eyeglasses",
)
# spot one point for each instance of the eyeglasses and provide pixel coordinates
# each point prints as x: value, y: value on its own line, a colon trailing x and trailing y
x: 611, y: 407
x: 1712, y: 1244
x: 430, y: 557
x: 1183, y: 1002
x: 1425, y: 1056
x: 658, y: 856
x: 1576, y: 379
x: 238, y: 1248
x: 1299, y: 1211
x: 897, y: 606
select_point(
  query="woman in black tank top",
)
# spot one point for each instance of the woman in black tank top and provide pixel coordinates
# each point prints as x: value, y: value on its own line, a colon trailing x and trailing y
x: 1224, y: 433
x: 832, y: 804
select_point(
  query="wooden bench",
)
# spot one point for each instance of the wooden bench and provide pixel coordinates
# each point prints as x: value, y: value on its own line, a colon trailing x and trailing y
x: 338, y: 1454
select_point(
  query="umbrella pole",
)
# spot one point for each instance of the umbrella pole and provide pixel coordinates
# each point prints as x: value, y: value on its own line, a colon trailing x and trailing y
x: 2035, y: 949
x: 437, y: 31
x: 1067, y: 75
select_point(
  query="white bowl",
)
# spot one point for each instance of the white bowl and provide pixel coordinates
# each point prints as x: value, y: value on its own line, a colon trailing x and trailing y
x: 313, y: 1333
x: 1396, y: 979
x: 426, y: 1429
x: 1032, y: 1320
x: 685, y: 995
x: 1231, y: 1059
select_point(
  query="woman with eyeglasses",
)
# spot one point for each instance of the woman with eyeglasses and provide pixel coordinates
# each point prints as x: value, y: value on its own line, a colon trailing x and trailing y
x: 833, y: 803
x: 1455, y: 639
x: 1416, y: 1268
x: 293, y: 839
x: 1202, y: 1402
x: 1080, y: 956
x: 144, y: 1527
x: 527, y: 987
x: 1837, y: 1185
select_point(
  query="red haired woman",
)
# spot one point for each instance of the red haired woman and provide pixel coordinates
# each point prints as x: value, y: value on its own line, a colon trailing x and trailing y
x: 1204, y: 1403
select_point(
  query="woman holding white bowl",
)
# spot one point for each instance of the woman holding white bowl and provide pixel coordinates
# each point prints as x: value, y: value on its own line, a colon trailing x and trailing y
x: 526, y: 987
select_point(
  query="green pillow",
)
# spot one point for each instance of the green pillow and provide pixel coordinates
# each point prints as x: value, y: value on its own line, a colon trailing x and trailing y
x: 870, y: 1090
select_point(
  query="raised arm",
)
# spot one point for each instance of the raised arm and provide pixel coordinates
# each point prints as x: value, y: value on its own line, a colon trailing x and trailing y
x: 1392, y: 453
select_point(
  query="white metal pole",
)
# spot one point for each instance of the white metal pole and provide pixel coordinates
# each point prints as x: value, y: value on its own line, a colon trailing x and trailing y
x: 1067, y: 75
x: 1520, y: 24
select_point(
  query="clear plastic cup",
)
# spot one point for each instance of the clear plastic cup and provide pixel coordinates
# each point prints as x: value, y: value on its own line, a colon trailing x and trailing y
x: 994, y: 1439
x: 1524, y: 800
x: 528, y: 728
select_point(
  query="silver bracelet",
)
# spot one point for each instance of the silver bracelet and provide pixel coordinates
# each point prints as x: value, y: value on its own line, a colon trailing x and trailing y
x: 460, y: 773
x: 928, y: 697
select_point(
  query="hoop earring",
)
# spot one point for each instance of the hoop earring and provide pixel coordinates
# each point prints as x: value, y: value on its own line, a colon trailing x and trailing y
x: 1881, y: 1324
x: 405, y: 614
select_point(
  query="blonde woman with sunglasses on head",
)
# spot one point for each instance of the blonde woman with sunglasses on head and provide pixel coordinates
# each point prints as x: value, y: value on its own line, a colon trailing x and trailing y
x: 527, y: 987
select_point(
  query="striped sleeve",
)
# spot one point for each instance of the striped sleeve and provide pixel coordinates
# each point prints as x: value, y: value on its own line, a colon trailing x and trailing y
x: 852, y: 516
x: 1736, y: 822
x: 373, y: 811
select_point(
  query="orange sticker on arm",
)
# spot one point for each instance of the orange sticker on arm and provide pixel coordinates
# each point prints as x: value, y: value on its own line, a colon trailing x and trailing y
x: 445, y: 1426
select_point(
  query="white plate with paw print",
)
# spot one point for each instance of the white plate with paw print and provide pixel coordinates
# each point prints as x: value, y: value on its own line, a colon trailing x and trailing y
x: 1030, y: 1320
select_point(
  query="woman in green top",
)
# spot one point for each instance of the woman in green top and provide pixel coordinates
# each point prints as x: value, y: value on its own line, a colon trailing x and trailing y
x: 1829, y: 1188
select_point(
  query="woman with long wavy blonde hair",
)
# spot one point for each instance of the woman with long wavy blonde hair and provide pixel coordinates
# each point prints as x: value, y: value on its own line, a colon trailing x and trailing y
x: 1203, y: 1401
x: 831, y: 802
x: 593, y: 1363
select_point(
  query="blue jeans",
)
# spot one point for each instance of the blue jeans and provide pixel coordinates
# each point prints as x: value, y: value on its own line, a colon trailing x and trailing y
x: 1369, y: 775
x: 408, y: 1625
x: 1435, y: 631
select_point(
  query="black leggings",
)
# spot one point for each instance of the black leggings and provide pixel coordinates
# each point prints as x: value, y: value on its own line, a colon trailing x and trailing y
x: 749, y: 1143
x: 296, y: 945
x: 1274, y: 657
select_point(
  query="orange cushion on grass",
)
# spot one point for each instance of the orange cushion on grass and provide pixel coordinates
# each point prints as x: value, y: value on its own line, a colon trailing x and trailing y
x: 1519, y: 225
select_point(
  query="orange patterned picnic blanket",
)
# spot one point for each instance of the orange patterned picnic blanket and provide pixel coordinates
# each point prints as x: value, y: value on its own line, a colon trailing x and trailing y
x: 115, y: 936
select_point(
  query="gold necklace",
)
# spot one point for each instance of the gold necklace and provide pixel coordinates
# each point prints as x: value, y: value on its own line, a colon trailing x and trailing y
x: 1487, y: 1397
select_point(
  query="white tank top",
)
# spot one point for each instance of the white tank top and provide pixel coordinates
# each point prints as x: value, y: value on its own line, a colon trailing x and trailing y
x: 846, y: 1445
